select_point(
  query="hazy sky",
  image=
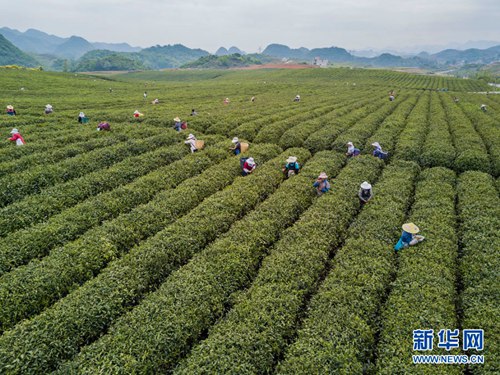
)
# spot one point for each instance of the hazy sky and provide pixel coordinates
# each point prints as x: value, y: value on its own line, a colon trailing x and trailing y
x: 250, y: 24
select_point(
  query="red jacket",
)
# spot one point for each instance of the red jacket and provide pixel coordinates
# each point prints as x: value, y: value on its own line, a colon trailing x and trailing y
x: 248, y: 168
x: 16, y: 137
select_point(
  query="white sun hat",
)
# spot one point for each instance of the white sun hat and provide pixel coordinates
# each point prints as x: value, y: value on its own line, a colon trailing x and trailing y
x: 177, y: 119
x: 191, y: 136
x: 366, y: 186
x: 235, y: 140
x: 323, y: 175
x: 291, y: 159
x: 376, y: 144
x: 250, y: 161
x: 350, y: 144
x: 14, y: 131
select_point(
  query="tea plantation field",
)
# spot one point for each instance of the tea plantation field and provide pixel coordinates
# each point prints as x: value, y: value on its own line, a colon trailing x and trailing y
x: 122, y: 252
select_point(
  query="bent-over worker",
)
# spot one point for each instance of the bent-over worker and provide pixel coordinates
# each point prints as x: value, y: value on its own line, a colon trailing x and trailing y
x: 17, y: 137
x: 191, y: 141
x: 237, y: 146
x: 292, y: 167
x: 104, y: 126
x: 11, y: 111
x: 409, y: 236
x: 351, y: 150
x: 321, y: 184
x: 248, y: 166
x: 378, y: 152
x: 365, y: 192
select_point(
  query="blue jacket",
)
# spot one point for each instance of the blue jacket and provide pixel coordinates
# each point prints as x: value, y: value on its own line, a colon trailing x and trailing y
x: 295, y: 166
x: 404, y: 240
x: 325, y: 188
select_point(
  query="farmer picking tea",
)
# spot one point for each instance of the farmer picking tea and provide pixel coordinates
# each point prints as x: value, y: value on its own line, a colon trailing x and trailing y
x: 321, y: 184
x: 409, y: 237
x: 365, y: 192
x: 351, y: 150
x: 17, y: 137
x: 291, y: 167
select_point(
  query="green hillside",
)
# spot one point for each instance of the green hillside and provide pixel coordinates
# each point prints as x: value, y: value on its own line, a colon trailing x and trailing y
x: 223, y: 62
x: 11, y: 55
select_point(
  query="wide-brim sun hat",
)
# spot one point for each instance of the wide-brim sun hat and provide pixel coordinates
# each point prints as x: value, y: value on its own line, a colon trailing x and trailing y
x: 323, y: 175
x: 250, y: 161
x: 190, y: 136
x: 235, y: 140
x: 177, y: 119
x: 376, y: 144
x: 14, y: 131
x: 411, y: 228
x: 365, y: 185
x: 349, y: 144
x: 48, y: 106
x: 291, y: 159
x: 136, y: 112
x: 10, y: 107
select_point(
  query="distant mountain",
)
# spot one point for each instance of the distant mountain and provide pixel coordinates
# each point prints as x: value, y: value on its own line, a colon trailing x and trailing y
x: 235, y: 60
x: 32, y: 40
x: 473, y: 55
x: 116, y: 47
x: 222, y: 51
x: 169, y: 56
x: 105, y: 60
x: 232, y: 50
x: 73, y: 48
x: 331, y: 53
x: 38, y: 42
x: 282, y: 51
x: 11, y: 55
x: 158, y: 57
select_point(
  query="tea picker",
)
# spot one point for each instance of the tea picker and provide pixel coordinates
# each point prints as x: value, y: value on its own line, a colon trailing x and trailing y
x: 483, y: 107
x: 178, y: 125
x: 48, y: 109
x: 321, y: 184
x: 194, y: 144
x: 17, y: 137
x: 291, y: 167
x: 409, y: 237
x: 297, y: 98
x: 239, y: 147
x: 378, y: 152
x: 351, y: 150
x: 104, y: 126
x: 247, y: 165
x: 82, y: 119
x: 11, y: 111
x: 365, y: 192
